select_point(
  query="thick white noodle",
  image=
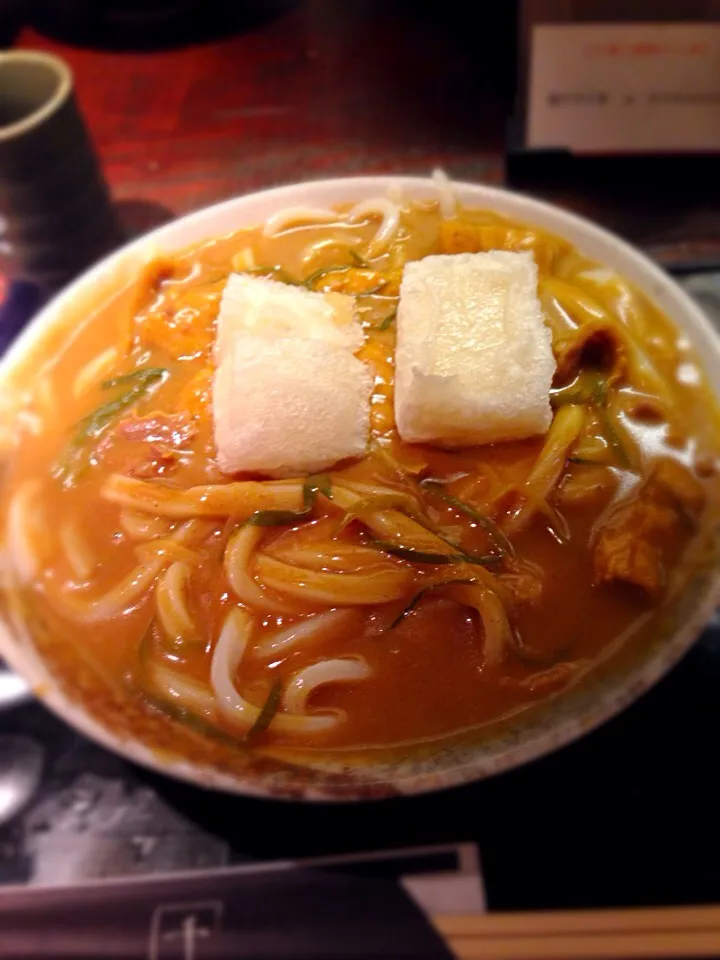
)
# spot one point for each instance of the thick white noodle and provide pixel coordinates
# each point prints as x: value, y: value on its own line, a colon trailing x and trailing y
x: 176, y: 688
x: 128, y: 591
x: 143, y: 526
x: 171, y: 605
x: 312, y: 250
x: 548, y: 467
x: 79, y: 554
x: 303, y: 634
x: 243, y: 260
x: 353, y: 491
x: 25, y: 531
x: 227, y: 656
x: 390, y: 213
x: 31, y: 421
x: 168, y: 549
x: 447, y: 199
x: 295, y: 217
x: 122, y: 597
x: 307, y: 680
x: 237, y: 559
x: 599, y: 275
x: 374, y: 585
x: 495, y: 626
x: 236, y: 499
x: 94, y: 370
x: 330, y: 556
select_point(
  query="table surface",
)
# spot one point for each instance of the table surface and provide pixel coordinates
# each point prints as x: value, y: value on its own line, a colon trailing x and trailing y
x: 629, y: 815
x: 326, y: 89
x: 318, y: 91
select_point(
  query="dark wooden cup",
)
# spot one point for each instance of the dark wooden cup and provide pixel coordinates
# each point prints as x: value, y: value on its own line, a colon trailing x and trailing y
x: 56, y: 216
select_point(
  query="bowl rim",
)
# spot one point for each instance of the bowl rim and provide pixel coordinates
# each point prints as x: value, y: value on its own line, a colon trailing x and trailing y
x: 655, y: 283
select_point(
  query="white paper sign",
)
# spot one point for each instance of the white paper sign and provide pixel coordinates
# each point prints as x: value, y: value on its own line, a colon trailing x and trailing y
x: 613, y: 87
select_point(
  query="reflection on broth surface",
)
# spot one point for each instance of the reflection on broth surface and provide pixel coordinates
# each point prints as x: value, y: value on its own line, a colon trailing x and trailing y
x: 407, y: 596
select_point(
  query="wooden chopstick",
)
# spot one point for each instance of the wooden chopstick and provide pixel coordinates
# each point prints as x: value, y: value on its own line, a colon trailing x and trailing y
x: 585, y: 934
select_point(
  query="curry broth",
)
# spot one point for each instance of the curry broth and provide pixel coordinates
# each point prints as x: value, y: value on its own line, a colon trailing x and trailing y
x: 427, y: 676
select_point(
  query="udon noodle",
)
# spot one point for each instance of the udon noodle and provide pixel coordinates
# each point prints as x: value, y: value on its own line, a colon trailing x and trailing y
x: 401, y: 598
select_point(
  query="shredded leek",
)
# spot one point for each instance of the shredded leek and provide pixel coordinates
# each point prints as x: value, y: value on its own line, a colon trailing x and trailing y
x: 154, y: 697
x: 502, y: 543
x: 139, y: 383
x: 423, y: 556
x: 387, y: 322
x: 142, y: 376
x: 383, y: 501
x: 373, y: 290
x: 586, y: 388
x: 275, y: 518
x: 191, y: 720
x: 267, y: 713
x: 402, y: 501
x: 90, y: 428
x: 593, y: 388
x: 320, y: 483
x: 280, y: 518
x: 199, y: 725
x: 418, y: 597
x: 309, y: 281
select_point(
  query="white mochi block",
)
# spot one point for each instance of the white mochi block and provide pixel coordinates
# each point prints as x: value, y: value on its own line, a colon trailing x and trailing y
x: 289, y: 406
x: 474, y: 361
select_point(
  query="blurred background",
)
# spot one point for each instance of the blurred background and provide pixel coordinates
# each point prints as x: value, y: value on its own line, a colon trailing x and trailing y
x: 192, y: 101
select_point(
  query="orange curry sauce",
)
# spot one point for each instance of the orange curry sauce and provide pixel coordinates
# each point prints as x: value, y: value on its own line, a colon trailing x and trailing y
x: 427, y: 673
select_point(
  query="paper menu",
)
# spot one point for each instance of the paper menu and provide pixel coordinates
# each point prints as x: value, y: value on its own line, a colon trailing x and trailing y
x: 624, y: 88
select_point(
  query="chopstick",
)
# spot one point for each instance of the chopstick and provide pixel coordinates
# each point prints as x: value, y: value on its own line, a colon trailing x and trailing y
x: 585, y: 934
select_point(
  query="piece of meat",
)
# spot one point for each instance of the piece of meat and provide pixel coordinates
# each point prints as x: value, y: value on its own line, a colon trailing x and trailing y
x: 153, y: 462
x: 168, y: 429
x: 621, y: 556
x: 673, y: 484
x: 631, y: 542
x: 461, y: 236
x: 147, y: 447
x: 594, y: 346
x: 177, y: 312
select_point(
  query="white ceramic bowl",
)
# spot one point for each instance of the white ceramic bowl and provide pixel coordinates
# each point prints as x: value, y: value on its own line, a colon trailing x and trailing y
x: 536, y: 731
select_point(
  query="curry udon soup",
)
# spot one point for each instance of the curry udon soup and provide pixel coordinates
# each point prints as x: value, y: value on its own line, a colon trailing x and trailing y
x: 406, y: 596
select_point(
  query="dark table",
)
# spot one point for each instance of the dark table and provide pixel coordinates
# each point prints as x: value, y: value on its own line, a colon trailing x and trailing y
x: 627, y: 816
x: 325, y: 89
